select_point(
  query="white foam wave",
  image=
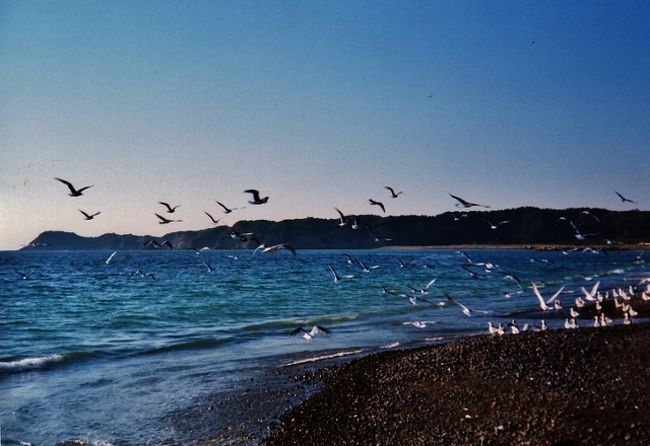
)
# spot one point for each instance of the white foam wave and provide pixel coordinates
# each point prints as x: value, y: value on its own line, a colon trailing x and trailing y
x: 392, y: 345
x: 321, y: 358
x: 30, y: 363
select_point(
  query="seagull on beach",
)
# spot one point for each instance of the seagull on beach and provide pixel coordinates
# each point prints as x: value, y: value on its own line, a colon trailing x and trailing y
x: 73, y: 191
x: 170, y: 209
x: 89, y: 216
x: 465, y: 203
x: 377, y: 203
x: 544, y: 305
x: 393, y: 194
x: 164, y: 221
x: 590, y: 295
x: 498, y: 330
x: 256, y: 197
x: 309, y: 335
x: 623, y: 199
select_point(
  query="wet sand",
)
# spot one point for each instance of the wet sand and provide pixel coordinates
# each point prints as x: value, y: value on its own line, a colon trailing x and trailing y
x: 564, y: 387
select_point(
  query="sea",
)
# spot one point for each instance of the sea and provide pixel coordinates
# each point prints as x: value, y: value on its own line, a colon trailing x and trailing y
x: 102, y: 352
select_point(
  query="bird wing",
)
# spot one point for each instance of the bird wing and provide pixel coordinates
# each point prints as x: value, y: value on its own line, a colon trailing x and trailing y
x: 288, y: 248
x: 81, y: 189
x: 340, y: 213
x: 461, y: 201
x: 594, y: 289
x: 555, y: 295
x: 225, y: 208
x: 431, y: 282
x: 295, y: 331
x: 71, y: 187
x: 212, y: 218
x: 542, y: 304
x: 381, y: 205
x: 163, y: 219
x: 85, y: 215
x: 464, y: 254
x: 256, y: 194
x: 169, y: 208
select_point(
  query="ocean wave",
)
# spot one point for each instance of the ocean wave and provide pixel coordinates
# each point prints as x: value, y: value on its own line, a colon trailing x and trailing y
x: 189, y: 345
x: 322, y: 357
x: 292, y: 323
x: 35, y: 362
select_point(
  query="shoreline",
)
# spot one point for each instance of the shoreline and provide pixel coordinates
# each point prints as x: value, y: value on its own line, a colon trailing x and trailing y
x: 586, y: 386
x: 535, y: 247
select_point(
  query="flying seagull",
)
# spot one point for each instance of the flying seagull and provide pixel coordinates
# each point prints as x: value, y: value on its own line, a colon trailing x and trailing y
x: 393, y: 194
x: 25, y: 276
x: 216, y: 222
x: 493, y: 226
x: 591, y: 215
x: 90, y: 216
x: 164, y: 221
x: 466, y: 310
x: 365, y: 268
x: 465, y: 203
x: 623, y: 199
x: 377, y: 203
x: 256, y: 197
x: 343, y: 221
x: 226, y: 209
x: 308, y: 335
x: 338, y: 278
x: 111, y: 257
x: 74, y: 192
x: 512, y: 277
x: 277, y: 247
x: 170, y: 209
x: 544, y: 305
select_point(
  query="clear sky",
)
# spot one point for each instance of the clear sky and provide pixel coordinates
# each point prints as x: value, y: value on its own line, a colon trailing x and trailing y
x: 317, y: 104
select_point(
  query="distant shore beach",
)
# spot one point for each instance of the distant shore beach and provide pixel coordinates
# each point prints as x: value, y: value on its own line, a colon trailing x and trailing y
x: 569, y: 387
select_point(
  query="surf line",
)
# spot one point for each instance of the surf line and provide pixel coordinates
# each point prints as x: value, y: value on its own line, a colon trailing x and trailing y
x: 320, y: 358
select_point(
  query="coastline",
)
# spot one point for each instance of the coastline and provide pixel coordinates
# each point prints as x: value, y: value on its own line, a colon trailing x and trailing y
x: 536, y: 247
x: 586, y: 386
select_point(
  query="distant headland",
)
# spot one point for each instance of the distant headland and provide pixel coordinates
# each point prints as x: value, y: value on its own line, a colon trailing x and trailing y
x: 525, y: 226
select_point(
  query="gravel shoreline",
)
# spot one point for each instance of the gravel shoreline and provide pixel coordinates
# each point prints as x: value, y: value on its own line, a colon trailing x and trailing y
x: 561, y: 387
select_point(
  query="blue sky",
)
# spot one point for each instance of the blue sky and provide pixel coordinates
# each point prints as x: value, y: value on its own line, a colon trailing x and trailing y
x: 317, y: 104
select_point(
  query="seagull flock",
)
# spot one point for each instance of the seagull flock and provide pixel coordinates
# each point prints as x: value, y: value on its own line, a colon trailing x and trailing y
x: 590, y: 303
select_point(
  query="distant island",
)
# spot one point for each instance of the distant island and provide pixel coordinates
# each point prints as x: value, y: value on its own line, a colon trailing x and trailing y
x: 526, y: 226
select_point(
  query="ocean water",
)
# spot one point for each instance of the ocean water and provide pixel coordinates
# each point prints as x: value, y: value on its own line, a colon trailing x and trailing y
x: 96, y: 351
